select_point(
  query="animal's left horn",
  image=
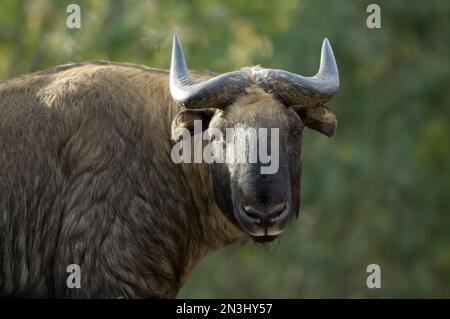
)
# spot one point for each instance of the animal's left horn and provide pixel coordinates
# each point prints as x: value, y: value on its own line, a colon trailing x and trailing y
x: 295, y: 89
x: 216, y: 92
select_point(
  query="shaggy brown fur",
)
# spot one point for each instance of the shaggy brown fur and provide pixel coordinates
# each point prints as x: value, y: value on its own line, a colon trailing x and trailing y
x: 86, y: 177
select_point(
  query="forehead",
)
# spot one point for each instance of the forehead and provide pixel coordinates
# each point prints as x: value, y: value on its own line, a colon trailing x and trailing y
x: 257, y: 109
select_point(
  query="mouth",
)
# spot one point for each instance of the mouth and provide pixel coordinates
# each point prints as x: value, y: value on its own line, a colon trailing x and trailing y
x: 263, y: 225
x: 264, y: 238
x: 260, y: 234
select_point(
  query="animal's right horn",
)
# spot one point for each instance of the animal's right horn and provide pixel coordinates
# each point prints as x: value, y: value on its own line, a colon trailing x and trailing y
x: 216, y: 92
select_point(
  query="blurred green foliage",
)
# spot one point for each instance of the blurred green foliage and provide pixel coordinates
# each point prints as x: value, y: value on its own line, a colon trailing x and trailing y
x: 376, y: 193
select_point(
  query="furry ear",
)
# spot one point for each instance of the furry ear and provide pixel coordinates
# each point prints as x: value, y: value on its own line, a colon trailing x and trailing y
x: 318, y: 118
x: 185, y: 120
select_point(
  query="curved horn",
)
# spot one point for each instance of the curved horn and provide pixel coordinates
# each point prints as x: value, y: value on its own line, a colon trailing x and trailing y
x: 216, y: 92
x: 295, y: 89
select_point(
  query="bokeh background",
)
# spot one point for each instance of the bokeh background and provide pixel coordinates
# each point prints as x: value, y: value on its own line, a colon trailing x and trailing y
x: 376, y: 193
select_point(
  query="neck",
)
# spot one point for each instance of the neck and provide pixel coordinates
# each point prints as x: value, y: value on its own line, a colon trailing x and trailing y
x: 210, y: 228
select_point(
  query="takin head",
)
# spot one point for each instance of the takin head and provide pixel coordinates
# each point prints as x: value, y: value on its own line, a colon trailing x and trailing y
x: 256, y: 108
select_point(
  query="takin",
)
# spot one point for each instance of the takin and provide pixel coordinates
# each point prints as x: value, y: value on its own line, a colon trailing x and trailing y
x: 87, y: 176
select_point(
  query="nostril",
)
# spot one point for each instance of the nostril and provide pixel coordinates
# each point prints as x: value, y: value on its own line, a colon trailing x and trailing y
x: 278, y: 212
x: 253, y: 213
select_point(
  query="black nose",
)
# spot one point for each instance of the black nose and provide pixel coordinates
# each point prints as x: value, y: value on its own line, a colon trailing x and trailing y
x: 265, y: 215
